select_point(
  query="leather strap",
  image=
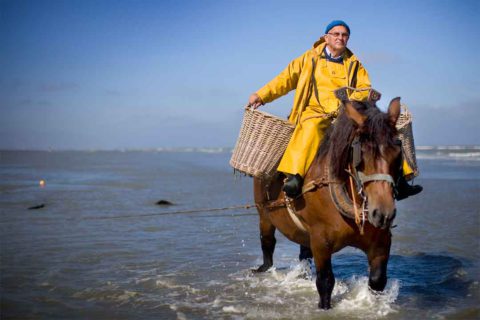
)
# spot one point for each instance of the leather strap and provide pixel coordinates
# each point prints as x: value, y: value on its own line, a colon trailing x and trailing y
x: 375, y: 177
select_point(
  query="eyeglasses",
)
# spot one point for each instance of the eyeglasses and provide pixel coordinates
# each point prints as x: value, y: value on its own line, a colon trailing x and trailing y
x: 338, y: 34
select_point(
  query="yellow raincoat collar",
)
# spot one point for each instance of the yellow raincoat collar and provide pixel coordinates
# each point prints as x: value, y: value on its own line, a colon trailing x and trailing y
x: 320, y: 44
x: 310, y: 58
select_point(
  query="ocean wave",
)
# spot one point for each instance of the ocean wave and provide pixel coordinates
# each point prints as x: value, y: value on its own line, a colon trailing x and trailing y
x: 468, y: 153
x: 464, y: 155
x: 419, y: 149
x: 191, y: 149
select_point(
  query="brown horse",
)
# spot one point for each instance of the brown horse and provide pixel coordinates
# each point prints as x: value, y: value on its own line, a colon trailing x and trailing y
x: 364, y: 139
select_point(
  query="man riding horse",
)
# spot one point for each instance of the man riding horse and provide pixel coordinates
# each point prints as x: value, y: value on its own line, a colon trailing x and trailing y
x: 315, y: 75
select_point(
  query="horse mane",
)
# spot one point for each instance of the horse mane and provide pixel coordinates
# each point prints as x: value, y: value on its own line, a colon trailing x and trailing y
x: 377, y: 130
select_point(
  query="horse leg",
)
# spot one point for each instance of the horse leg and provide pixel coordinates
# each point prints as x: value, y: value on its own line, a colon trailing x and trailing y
x: 325, y: 283
x: 323, y: 264
x: 261, y: 188
x: 378, y: 260
x: 268, y: 241
x: 305, y: 253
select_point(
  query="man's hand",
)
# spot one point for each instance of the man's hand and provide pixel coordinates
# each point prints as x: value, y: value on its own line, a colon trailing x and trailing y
x: 255, y: 101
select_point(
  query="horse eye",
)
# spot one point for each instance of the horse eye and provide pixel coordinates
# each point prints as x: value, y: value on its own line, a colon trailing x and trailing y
x: 396, y: 150
x: 390, y: 151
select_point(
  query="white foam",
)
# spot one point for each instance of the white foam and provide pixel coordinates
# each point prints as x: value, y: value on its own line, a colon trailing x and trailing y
x: 180, y: 315
x: 169, y: 284
x: 292, y: 293
x: 467, y: 156
x: 231, y: 309
x: 454, y: 152
x: 282, y: 292
x: 464, y: 155
x: 361, y: 299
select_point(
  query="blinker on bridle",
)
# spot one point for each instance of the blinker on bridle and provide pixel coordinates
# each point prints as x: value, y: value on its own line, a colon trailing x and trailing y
x: 359, y: 177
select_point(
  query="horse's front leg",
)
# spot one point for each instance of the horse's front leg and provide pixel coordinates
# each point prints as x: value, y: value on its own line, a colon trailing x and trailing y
x: 325, y: 283
x: 323, y: 264
x: 378, y: 261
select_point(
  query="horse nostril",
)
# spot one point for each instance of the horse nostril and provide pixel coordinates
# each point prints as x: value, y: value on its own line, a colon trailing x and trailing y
x: 389, y: 219
x: 394, y: 214
x: 374, y: 213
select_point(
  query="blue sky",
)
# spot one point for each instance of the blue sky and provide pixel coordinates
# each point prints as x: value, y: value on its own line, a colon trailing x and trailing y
x: 146, y: 74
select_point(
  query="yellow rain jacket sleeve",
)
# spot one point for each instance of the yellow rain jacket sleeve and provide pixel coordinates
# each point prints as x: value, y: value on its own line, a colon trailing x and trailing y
x: 285, y: 82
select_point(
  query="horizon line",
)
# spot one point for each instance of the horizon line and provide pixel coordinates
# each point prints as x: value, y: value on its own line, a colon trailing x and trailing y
x: 196, y: 149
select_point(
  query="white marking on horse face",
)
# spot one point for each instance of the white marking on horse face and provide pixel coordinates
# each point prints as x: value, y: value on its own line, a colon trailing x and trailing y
x: 381, y: 203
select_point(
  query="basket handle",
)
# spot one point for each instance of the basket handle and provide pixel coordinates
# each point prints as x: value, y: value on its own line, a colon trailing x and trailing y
x: 404, y: 108
x: 248, y: 106
x: 408, y: 115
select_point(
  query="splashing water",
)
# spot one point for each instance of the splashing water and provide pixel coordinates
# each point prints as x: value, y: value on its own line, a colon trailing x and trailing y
x: 280, y: 293
x: 292, y: 292
x: 360, y: 298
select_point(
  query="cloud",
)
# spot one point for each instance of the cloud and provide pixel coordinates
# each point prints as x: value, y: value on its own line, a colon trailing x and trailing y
x: 114, y: 93
x: 29, y: 102
x: 7, y: 106
x: 58, y: 87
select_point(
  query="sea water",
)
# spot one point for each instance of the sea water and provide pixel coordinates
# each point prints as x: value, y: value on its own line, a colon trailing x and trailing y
x: 101, y: 248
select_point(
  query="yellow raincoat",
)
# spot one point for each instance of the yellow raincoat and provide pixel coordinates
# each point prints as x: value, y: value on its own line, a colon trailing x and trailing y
x: 312, y: 111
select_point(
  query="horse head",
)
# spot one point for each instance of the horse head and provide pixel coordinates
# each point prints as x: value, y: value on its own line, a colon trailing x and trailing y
x: 375, y: 156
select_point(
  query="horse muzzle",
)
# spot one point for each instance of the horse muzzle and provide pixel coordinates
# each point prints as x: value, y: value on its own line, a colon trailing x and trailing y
x: 381, y: 204
x: 382, y: 219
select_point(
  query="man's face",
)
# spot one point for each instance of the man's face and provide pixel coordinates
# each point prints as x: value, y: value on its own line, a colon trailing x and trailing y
x: 337, y: 38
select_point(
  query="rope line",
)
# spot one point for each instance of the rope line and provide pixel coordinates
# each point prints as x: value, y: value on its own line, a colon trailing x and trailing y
x: 248, y: 206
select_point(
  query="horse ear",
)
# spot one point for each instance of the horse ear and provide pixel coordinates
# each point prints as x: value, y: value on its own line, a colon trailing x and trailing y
x: 394, y: 110
x: 353, y: 114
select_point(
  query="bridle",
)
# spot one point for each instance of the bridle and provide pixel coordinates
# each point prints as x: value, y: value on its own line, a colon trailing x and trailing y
x: 360, y: 179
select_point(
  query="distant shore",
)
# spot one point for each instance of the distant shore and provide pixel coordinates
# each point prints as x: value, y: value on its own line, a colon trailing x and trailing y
x: 459, y: 148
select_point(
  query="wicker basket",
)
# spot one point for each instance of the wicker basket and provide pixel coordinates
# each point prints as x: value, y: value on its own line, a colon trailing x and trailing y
x: 261, y: 143
x: 405, y: 133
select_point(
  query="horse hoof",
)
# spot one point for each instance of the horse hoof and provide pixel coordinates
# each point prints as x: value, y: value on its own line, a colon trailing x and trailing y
x: 324, y: 306
x: 262, y: 268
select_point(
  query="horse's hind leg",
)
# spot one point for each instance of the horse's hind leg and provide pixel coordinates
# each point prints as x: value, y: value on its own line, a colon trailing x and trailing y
x: 268, y: 241
x: 267, y: 229
x: 305, y: 253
